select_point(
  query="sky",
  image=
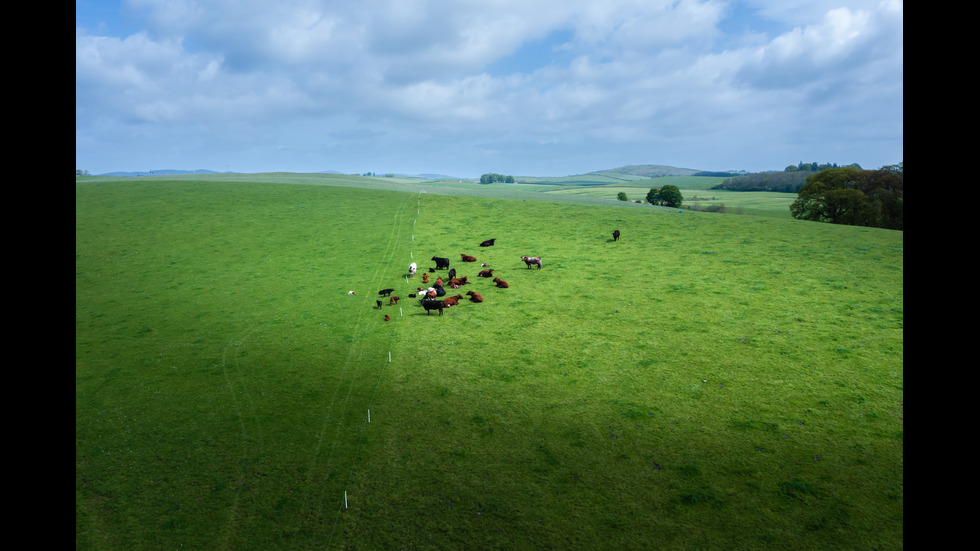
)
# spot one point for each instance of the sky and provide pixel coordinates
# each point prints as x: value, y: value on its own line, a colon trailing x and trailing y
x: 468, y: 87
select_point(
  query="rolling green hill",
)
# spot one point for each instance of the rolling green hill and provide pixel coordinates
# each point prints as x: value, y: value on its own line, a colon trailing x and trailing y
x: 705, y: 382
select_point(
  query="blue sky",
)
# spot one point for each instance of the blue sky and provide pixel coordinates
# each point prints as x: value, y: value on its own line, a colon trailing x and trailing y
x: 464, y: 87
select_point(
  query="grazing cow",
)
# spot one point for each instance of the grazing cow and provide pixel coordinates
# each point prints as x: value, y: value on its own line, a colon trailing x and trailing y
x: 379, y: 303
x: 429, y: 304
x: 425, y: 278
x: 387, y: 318
x: 412, y: 268
x: 452, y: 301
x: 500, y: 283
x: 531, y: 261
x: 385, y: 292
x: 475, y: 297
x: 488, y: 242
x: 467, y: 258
x: 441, y: 262
x: 393, y: 301
x: 615, y: 235
x: 485, y: 273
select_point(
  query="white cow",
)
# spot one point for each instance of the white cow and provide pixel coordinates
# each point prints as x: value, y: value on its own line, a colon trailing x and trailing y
x: 412, y: 268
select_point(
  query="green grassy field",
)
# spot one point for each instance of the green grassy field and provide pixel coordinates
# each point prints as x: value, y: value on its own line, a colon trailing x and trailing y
x: 707, y: 382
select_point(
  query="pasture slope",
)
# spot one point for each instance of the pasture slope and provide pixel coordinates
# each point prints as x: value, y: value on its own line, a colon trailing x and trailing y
x: 706, y: 382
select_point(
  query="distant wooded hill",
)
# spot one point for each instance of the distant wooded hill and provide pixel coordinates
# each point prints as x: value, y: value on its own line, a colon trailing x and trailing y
x: 789, y: 180
x: 649, y: 171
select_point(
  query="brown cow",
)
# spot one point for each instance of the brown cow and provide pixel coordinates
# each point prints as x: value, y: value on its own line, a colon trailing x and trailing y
x: 475, y: 297
x: 485, y: 273
x: 500, y: 283
x: 452, y: 301
x: 394, y: 300
x: 468, y: 258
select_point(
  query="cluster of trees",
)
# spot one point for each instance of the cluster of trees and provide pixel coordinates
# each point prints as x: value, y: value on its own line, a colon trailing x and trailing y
x: 490, y: 178
x: 376, y: 175
x: 853, y: 197
x: 815, y: 167
x: 666, y: 196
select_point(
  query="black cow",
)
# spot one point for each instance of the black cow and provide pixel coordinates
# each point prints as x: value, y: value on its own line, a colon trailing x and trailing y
x: 385, y: 292
x: 441, y: 262
x: 429, y: 304
x: 488, y: 242
x: 615, y: 235
x: 452, y: 273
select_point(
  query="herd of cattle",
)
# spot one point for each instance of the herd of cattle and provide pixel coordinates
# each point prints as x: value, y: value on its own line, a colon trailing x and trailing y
x: 430, y: 297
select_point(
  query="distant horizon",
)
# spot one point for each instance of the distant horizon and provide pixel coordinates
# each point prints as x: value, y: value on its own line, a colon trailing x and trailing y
x: 428, y: 175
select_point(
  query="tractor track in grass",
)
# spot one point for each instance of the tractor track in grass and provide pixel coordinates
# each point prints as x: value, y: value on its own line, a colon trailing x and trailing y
x: 390, y: 268
x: 343, y: 413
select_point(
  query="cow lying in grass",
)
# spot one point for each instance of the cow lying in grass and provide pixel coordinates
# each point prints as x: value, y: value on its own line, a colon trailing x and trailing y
x: 475, y: 297
x: 532, y: 261
x: 452, y: 301
x: 431, y: 292
x: 467, y: 258
x: 488, y: 242
x: 430, y: 304
x: 485, y: 273
x: 500, y: 283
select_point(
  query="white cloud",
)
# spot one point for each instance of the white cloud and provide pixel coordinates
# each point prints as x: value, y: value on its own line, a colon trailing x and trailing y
x: 639, y: 75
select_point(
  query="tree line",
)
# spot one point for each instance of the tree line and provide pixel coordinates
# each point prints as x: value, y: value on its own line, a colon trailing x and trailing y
x: 815, y: 167
x: 854, y: 197
x: 789, y: 180
x: 490, y: 178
